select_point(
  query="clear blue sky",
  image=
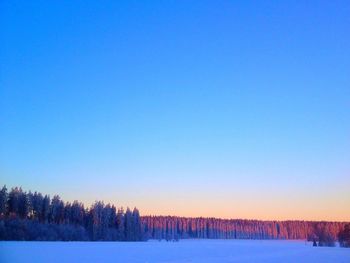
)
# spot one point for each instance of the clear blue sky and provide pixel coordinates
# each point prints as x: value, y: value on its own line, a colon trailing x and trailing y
x: 208, y: 108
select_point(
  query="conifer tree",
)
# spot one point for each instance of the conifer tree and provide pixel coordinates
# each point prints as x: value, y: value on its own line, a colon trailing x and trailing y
x: 3, y: 200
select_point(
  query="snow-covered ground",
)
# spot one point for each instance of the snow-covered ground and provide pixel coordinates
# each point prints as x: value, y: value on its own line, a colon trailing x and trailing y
x: 184, y: 251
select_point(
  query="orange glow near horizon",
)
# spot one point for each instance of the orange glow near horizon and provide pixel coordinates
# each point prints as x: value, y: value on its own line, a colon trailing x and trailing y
x: 260, y: 208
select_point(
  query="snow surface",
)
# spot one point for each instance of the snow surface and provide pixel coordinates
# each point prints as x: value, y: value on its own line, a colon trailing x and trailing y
x: 203, y: 251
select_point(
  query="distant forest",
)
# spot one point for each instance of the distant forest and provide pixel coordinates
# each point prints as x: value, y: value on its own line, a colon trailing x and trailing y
x: 34, y: 216
x: 172, y: 227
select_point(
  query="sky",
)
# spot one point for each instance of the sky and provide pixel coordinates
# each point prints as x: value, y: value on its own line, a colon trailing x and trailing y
x: 232, y: 109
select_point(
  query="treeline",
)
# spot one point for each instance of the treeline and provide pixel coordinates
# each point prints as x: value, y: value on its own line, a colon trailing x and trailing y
x: 34, y: 216
x: 173, y: 228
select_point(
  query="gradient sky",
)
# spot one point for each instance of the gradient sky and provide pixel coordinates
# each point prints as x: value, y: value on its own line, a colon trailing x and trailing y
x: 235, y: 109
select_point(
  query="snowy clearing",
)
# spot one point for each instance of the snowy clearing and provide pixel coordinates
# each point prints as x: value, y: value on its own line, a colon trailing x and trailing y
x: 182, y: 251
